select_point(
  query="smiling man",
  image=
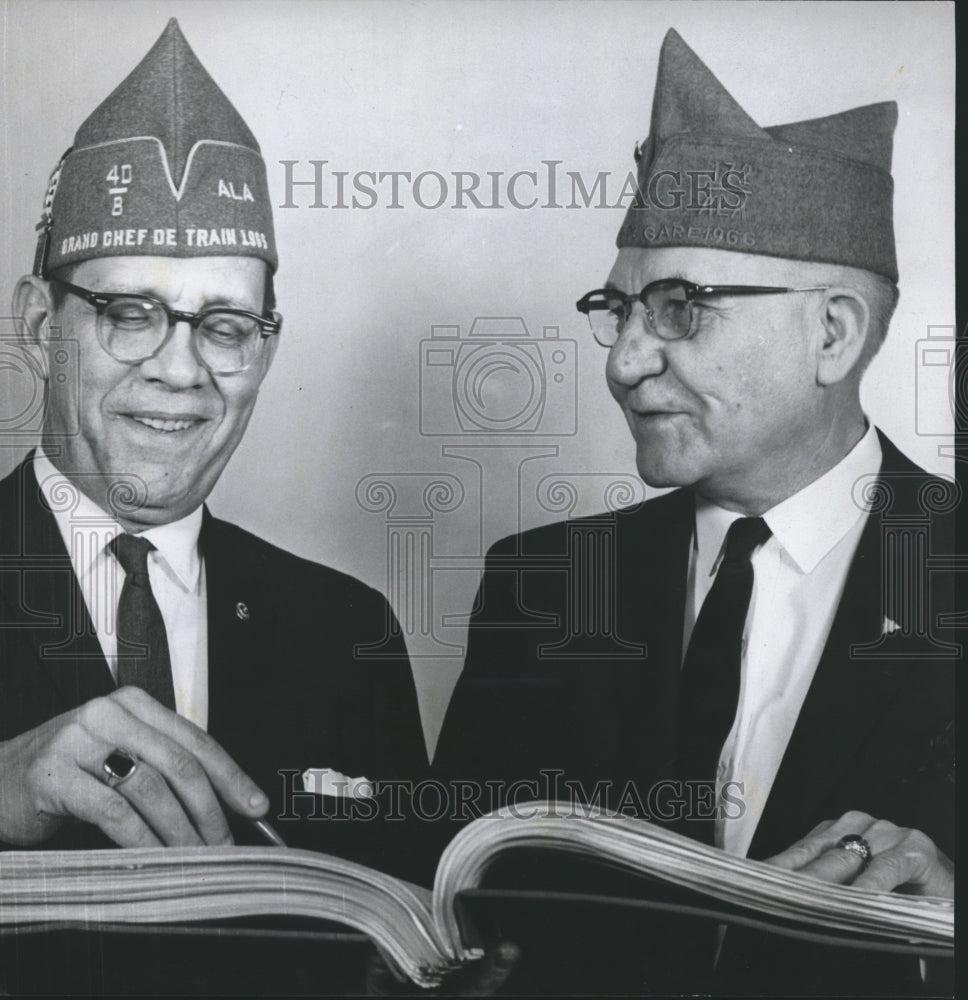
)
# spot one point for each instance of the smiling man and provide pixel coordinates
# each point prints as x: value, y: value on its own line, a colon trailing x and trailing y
x: 171, y: 417
x: 757, y: 656
x: 166, y: 676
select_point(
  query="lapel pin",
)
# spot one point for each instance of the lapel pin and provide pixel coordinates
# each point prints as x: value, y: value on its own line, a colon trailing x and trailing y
x: 242, y: 612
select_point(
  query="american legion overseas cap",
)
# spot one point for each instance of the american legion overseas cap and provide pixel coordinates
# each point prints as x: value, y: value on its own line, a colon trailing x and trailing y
x: 164, y: 166
x: 709, y: 176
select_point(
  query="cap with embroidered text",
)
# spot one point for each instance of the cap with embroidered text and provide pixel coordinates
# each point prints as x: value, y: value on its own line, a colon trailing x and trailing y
x: 164, y: 166
x: 709, y: 176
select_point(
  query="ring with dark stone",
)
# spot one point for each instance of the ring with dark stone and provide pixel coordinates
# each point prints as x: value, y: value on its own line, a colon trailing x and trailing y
x: 119, y: 765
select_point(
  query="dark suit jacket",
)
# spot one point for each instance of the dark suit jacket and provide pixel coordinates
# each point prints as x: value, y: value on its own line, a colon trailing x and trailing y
x: 287, y: 689
x: 573, y: 663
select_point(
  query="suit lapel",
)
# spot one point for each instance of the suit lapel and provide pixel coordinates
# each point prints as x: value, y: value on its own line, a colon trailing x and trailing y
x: 245, y: 713
x: 65, y: 642
x: 845, y: 699
x: 848, y: 693
x: 653, y: 569
x: 236, y: 616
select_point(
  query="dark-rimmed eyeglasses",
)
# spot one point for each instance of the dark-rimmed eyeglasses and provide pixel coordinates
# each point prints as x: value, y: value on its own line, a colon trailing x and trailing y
x: 133, y: 328
x: 668, y: 303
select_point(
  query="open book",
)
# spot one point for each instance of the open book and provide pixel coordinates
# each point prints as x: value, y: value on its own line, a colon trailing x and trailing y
x: 419, y: 931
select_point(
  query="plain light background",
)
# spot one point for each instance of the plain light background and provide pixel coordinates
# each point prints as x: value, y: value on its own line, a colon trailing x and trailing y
x: 440, y: 86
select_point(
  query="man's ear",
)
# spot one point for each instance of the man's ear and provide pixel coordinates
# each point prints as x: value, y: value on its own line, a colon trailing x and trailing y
x: 844, y: 326
x: 32, y: 305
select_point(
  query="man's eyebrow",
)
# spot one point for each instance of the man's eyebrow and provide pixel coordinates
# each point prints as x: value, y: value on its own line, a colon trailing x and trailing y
x: 222, y: 303
x: 150, y: 291
x: 675, y: 276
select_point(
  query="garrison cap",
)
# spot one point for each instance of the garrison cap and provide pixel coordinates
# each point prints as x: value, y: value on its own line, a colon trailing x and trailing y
x: 164, y: 166
x: 709, y: 176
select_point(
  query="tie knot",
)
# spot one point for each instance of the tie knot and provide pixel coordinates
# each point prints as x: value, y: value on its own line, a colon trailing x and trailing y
x: 132, y: 552
x: 743, y: 536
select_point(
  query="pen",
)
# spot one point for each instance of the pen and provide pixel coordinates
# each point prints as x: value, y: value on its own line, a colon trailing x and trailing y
x: 263, y: 827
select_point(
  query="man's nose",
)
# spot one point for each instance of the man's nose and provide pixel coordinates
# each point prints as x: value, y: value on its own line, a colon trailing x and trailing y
x: 638, y: 353
x: 176, y: 364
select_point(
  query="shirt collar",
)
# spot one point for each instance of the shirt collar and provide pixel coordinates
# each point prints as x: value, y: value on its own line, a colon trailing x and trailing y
x: 808, y: 524
x: 176, y: 543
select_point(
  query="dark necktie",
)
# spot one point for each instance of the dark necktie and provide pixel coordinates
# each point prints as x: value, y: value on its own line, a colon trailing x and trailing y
x: 710, y: 679
x: 143, y: 659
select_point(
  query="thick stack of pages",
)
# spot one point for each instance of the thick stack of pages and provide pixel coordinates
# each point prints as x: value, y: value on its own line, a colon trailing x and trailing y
x: 416, y: 930
x: 651, y: 850
x: 156, y: 885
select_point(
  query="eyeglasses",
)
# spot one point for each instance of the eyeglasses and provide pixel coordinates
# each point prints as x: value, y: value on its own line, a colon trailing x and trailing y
x: 668, y: 306
x: 133, y: 328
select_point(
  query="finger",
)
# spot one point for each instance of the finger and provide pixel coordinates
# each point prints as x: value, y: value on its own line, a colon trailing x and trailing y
x: 185, y: 777
x: 821, y: 827
x: 190, y: 792
x: 911, y: 860
x: 190, y: 760
x: 820, y: 839
x: 95, y: 803
x: 835, y: 865
x: 492, y: 971
x: 149, y: 794
x: 892, y: 868
x: 236, y: 789
x: 840, y: 865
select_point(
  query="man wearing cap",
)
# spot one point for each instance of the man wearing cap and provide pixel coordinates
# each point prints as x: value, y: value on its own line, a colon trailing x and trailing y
x: 165, y: 673
x: 776, y: 681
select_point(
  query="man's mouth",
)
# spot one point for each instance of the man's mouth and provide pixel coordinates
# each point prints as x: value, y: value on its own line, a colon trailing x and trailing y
x: 643, y: 414
x: 166, y: 425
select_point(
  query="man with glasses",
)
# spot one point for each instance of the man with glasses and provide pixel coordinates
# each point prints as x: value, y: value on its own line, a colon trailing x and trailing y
x: 166, y: 676
x: 776, y: 673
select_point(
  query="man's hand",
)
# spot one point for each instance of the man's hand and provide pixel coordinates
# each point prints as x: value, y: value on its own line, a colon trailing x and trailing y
x: 902, y: 859
x: 482, y: 978
x: 174, y: 797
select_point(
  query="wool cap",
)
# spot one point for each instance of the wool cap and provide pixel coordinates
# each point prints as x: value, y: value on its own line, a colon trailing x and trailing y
x: 164, y: 166
x: 709, y: 176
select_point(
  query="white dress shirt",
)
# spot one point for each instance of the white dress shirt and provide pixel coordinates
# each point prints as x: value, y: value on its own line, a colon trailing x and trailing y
x: 175, y: 570
x: 798, y: 578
